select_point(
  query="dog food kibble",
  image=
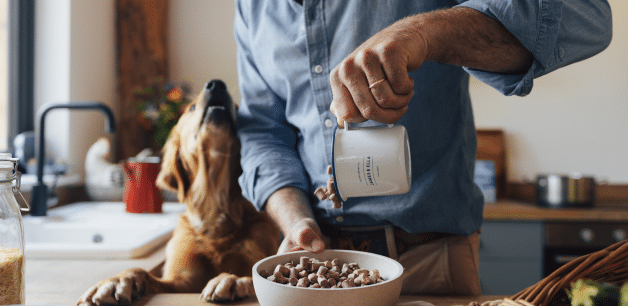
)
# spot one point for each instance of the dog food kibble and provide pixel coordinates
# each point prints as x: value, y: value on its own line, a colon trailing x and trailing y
x: 329, y: 192
x: 11, y: 262
x: 312, y: 273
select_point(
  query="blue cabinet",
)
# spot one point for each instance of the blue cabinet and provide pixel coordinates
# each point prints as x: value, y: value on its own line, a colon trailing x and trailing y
x: 511, y: 256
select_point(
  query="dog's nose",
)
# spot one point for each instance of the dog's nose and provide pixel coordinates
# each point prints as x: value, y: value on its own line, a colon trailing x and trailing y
x: 217, y: 93
x: 215, y: 84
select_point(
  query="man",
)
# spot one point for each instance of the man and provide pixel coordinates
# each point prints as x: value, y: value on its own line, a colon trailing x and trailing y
x: 305, y: 68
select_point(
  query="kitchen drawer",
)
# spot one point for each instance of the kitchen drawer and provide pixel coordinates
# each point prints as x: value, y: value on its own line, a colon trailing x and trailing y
x: 511, y: 240
x: 584, y: 234
x: 509, y: 277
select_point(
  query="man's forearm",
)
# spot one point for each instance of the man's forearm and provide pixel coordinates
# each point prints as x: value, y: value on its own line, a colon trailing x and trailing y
x: 290, y: 208
x: 287, y: 206
x: 466, y: 37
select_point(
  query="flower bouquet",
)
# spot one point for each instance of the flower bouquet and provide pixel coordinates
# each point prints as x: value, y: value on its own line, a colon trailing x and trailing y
x: 160, y: 105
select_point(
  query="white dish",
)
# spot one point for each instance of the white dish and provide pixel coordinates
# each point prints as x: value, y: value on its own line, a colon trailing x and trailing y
x: 380, y: 294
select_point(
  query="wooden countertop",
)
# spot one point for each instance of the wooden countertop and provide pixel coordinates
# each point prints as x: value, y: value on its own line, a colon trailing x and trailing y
x: 50, y: 281
x: 522, y: 211
x: 193, y: 299
x: 59, y: 281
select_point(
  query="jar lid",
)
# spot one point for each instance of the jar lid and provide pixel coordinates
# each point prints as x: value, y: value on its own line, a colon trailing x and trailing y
x: 6, y: 161
x: 9, y: 172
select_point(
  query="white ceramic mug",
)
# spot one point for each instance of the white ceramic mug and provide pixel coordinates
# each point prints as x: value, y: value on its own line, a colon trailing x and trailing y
x: 371, y: 161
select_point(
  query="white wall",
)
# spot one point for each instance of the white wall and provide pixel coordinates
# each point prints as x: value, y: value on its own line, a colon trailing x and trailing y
x: 201, y: 43
x: 575, y: 120
x: 74, y: 60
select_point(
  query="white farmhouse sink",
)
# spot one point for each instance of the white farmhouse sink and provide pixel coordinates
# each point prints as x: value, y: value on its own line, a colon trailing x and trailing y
x: 98, y: 230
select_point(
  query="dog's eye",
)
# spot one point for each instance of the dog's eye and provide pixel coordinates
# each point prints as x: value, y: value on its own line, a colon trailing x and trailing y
x: 192, y: 107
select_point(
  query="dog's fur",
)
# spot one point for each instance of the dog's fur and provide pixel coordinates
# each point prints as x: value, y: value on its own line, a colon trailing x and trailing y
x: 221, y: 235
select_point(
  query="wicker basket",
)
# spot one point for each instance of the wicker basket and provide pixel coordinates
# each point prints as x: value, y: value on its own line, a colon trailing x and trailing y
x: 608, y: 265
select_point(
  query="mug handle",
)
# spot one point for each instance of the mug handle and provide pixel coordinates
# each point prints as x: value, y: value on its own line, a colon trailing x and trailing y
x: 347, y: 124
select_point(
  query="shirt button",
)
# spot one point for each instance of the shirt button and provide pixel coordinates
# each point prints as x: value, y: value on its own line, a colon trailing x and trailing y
x: 329, y: 123
x: 318, y: 68
x: 340, y: 219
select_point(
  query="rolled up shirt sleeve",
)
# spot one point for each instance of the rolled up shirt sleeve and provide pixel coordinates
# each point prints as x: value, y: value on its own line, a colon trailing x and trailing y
x: 556, y: 32
x: 269, y: 159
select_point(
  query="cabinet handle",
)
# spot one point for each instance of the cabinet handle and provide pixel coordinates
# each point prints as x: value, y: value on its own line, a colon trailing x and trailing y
x: 587, y: 235
x: 619, y: 234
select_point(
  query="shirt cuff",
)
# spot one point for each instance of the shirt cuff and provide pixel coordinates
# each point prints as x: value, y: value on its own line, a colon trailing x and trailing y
x: 259, y: 183
x: 508, y: 85
x: 539, y: 37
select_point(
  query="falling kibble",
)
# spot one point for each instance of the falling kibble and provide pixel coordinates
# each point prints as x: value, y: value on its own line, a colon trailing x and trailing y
x: 329, y: 192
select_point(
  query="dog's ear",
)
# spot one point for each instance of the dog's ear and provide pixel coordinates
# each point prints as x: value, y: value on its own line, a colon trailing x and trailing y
x: 170, y: 176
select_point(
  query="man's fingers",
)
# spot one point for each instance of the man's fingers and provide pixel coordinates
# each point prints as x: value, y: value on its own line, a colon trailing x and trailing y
x: 305, y: 235
x: 310, y: 241
x: 386, y: 98
x: 387, y: 74
x: 345, y: 84
x: 375, y: 113
x: 356, y: 102
x: 367, y: 87
x: 360, y: 110
x: 397, y: 74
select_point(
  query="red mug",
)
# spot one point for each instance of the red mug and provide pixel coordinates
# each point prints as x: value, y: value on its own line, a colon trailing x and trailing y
x: 141, y: 194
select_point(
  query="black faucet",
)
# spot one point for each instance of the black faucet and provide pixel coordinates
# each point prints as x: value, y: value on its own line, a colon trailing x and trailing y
x: 39, y: 194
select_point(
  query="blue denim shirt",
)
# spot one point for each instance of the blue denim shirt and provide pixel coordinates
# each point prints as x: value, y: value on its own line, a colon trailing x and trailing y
x: 286, y: 52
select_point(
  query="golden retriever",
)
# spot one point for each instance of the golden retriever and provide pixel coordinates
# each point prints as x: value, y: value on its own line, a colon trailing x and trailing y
x: 221, y: 235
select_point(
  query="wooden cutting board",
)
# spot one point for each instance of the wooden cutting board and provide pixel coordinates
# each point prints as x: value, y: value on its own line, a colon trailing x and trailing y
x: 491, y: 146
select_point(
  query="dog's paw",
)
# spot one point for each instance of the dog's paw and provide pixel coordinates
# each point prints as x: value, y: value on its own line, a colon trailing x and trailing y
x: 119, y: 291
x: 228, y: 287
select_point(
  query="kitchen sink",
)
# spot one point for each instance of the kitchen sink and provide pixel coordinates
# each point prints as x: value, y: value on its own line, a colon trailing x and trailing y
x: 96, y: 230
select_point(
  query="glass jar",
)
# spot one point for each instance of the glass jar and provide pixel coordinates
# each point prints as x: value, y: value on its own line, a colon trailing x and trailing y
x: 11, y: 234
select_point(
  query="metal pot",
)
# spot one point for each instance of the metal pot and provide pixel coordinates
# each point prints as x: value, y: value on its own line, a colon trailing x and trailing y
x: 574, y: 190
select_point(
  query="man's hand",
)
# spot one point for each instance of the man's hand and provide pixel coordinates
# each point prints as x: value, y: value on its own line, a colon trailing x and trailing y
x: 372, y: 83
x: 304, y: 235
x: 290, y: 208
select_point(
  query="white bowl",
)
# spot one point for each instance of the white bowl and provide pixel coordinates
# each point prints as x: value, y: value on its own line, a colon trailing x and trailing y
x: 380, y: 294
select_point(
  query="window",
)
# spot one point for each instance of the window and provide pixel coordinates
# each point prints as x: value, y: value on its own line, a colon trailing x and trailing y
x: 16, y: 69
x: 4, y: 71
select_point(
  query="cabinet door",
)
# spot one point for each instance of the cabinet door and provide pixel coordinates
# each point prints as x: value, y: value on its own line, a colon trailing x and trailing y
x: 508, y: 277
x: 511, y: 256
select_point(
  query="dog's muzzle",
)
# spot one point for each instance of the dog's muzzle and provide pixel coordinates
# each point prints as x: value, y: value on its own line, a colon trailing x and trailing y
x: 219, y: 109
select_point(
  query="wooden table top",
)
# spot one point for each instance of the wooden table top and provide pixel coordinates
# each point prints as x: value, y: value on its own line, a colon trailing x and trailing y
x: 192, y: 299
